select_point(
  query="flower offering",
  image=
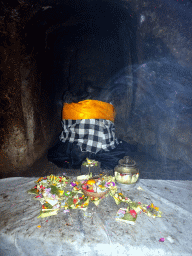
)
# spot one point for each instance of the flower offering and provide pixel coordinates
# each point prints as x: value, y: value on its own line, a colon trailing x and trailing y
x: 50, y: 192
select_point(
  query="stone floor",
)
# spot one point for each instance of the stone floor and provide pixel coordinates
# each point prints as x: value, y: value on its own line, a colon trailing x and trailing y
x: 148, y: 168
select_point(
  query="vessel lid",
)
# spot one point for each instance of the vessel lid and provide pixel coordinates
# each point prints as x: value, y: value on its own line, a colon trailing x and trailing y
x: 127, y: 162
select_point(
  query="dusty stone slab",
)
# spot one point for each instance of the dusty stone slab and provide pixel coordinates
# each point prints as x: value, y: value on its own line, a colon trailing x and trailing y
x: 76, y: 233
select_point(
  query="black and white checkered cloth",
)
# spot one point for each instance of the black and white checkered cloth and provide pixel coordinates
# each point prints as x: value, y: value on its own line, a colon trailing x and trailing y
x: 91, y: 135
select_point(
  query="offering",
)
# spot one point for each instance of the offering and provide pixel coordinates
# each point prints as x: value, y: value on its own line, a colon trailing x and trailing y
x: 126, y: 172
x: 51, y: 192
x: 90, y: 166
x: 95, y: 188
x: 126, y: 178
x: 128, y: 216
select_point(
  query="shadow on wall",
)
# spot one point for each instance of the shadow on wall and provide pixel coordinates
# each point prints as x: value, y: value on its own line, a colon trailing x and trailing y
x: 161, y: 117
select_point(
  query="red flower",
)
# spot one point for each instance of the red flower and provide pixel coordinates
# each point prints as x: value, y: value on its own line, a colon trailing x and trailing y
x: 84, y: 186
x: 75, y: 200
x: 81, y: 197
x: 133, y: 213
x: 90, y: 190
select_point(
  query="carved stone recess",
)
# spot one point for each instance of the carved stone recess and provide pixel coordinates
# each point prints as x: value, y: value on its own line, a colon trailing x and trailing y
x: 28, y: 115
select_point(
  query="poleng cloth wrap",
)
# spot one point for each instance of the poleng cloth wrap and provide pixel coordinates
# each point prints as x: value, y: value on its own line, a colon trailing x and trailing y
x: 88, y: 109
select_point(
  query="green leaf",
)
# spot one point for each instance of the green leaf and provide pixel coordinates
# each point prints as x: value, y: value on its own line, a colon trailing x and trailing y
x: 33, y: 191
x: 49, y: 206
x: 128, y: 217
x: 70, y: 201
x: 133, y: 205
x: 54, y: 190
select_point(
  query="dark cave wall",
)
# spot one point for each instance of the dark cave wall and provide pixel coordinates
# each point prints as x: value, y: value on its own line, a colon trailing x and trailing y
x: 32, y: 80
x: 26, y: 125
x: 161, y: 124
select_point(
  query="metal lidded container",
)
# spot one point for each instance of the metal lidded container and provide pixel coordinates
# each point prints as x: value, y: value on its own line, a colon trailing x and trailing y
x: 126, y: 171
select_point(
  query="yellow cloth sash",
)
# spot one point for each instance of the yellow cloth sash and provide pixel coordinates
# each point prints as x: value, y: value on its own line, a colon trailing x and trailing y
x: 88, y: 109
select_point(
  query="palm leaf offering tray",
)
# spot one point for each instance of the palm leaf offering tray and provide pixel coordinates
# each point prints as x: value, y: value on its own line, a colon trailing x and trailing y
x: 90, y: 166
x: 53, y: 196
x: 90, y: 163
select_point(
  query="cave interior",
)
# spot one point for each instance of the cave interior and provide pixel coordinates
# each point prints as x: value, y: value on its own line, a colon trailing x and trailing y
x: 135, y: 54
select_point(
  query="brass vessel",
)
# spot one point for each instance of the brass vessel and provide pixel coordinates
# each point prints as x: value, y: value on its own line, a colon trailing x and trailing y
x: 126, y: 171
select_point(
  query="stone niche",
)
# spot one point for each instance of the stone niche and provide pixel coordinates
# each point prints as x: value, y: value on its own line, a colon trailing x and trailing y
x: 146, y: 69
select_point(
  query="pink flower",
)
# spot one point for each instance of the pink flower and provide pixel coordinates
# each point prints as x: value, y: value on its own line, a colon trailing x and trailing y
x: 133, y: 213
x: 66, y: 211
x: 53, y: 196
x: 121, y: 211
x: 162, y: 239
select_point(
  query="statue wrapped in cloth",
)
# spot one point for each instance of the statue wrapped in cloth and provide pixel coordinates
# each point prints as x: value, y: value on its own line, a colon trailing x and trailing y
x: 88, y: 132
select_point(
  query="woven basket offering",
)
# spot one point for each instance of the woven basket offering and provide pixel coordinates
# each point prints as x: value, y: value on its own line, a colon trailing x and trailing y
x: 95, y: 194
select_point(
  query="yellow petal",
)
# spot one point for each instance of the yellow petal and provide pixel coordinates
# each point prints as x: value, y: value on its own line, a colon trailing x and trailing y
x: 61, y: 192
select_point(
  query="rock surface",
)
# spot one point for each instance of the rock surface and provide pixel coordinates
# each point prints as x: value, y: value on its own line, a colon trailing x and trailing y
x: 22, y: 233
